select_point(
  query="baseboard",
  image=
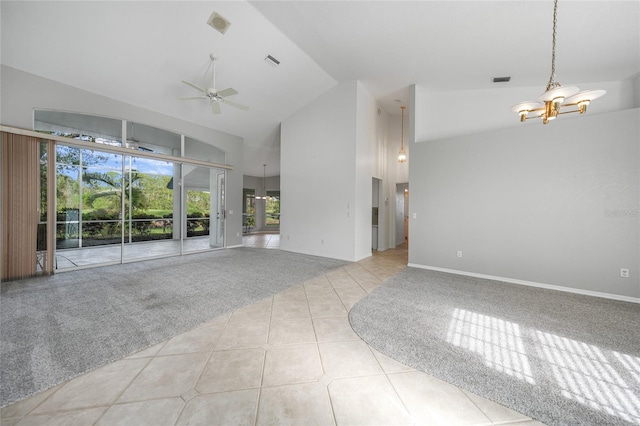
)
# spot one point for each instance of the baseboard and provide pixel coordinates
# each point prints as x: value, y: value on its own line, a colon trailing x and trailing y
x: 311, y: 253
x: 531, y: 283
x: 236, y: 246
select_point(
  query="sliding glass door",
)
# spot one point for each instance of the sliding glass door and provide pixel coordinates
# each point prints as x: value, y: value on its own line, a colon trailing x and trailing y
x: 88, y: 207
x: 114, y: 208
x: 150, y: 208
x: 204, y: 208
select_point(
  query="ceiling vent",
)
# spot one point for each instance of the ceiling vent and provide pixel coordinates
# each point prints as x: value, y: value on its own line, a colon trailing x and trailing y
x: 501, y: 79
x: 219, y: 22
x: 271, y: 60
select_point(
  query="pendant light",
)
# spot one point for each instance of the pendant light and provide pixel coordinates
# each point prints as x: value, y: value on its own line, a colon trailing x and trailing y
x: 264, y: 184
x: 402, y: 155
x: 555, y: 95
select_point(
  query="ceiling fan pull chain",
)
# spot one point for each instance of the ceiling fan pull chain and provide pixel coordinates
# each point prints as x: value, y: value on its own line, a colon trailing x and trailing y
x: 214, y: 72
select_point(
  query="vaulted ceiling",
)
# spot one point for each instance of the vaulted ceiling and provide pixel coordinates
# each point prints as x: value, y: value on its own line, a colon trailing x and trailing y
x: 138, y: 52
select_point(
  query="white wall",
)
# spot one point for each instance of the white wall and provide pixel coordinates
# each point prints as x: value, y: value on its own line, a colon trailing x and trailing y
x: 330, y: 150
x: 366, y: 166
x: 552, y: 204
x: 636, y: 91
x: 318, y: 156
x: 23, y: 92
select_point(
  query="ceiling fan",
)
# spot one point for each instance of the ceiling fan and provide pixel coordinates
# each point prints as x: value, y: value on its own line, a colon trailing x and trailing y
x: 215, y: 96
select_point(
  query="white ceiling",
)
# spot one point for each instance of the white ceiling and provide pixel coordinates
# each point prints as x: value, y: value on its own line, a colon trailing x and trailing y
x: 138, y: 52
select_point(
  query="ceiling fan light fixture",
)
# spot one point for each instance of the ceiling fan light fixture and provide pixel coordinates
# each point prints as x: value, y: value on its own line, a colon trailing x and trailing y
x: 555, y: 95
x: 218, y: 22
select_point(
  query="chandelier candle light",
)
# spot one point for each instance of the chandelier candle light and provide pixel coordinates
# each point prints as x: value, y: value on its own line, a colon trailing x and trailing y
x: 402, y: 155
x: 555, y: 95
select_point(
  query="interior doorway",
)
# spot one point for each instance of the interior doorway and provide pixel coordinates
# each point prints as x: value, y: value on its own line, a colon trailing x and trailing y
x: 402, y: 213
x: 375, y: 209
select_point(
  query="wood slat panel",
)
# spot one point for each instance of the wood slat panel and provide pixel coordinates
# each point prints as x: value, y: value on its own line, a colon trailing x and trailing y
x: 20, y: 203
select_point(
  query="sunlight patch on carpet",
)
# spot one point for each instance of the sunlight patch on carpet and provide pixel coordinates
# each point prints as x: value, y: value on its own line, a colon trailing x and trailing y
x: 498, y: 341
x: 584, y: 374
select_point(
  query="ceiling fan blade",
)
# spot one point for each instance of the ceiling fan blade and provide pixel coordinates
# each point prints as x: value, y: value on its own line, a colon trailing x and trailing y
x: 195, y: 86
x: 189, y: 98
x: 215, y: 107
x: 237, y: 105
x: 227, y: 92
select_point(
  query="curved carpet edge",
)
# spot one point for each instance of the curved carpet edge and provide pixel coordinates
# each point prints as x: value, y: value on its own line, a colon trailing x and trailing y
x: 511, y: 344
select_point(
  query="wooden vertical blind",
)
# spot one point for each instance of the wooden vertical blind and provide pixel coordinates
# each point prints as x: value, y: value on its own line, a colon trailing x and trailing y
x: 20, y: 205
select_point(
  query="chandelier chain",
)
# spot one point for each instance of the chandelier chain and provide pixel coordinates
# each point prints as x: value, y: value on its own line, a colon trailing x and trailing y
x: 552, y: 83
x: 556, y: 96
x: 402, y: 127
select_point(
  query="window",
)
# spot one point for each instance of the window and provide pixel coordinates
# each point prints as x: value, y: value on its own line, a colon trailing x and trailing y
x: 248, y: 210
x: 272, y: 209
x: 123, y: 204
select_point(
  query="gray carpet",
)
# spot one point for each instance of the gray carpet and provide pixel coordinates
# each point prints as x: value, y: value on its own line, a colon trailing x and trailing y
x: 557, y: 357
x: 57, y: 327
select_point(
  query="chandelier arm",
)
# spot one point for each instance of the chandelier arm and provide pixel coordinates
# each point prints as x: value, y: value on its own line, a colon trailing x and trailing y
x: 568, y: 112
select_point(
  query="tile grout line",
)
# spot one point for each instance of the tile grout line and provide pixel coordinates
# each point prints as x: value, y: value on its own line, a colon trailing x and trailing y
x: 61, y: 385
x: 491, y: 422
x: 264, y: 363
x: 395, y: 391
x: 204, y: 366
x: 127, y: 387
x: 324, y: 372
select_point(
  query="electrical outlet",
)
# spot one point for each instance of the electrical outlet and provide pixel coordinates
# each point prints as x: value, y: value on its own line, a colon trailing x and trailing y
x: 624, y: 273
x: 322, y: 241
x: 237, y: 234
x: 415, y: 215
x: 459, y: 253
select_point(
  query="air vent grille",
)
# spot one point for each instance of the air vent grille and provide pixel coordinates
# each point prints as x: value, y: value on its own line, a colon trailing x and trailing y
x: 273, y: 61
x: 219, y: 22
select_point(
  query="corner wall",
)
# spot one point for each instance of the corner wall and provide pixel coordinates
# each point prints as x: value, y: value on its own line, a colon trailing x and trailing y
x: 330, y: 151
x: 317, y: 173
x: 555, y: 205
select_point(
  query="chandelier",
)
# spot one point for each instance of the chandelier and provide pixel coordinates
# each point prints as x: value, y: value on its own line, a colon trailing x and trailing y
x: 402, y: 155
x: 556, y: 96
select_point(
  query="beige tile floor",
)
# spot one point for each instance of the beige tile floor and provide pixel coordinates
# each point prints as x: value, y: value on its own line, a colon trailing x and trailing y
x: 289, y: 359
x: 262, y: 240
